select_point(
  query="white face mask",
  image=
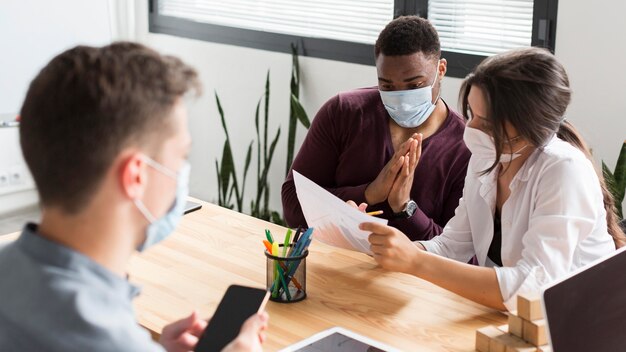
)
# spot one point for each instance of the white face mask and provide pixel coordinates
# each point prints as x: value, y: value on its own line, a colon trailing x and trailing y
x: 410, y: 108
x: 482, y: 146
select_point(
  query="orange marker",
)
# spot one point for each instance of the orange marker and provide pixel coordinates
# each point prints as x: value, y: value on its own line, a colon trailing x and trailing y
x: 268, y: 246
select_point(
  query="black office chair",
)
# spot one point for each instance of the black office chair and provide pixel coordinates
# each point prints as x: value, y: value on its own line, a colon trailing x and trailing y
x: 623, y: 224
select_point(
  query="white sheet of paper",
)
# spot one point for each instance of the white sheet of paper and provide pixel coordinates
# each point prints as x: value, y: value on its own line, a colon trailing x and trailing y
x: 335, y: 222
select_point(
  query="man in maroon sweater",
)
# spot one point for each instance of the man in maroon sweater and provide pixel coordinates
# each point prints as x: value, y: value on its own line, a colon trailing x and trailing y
x: 397, y: 147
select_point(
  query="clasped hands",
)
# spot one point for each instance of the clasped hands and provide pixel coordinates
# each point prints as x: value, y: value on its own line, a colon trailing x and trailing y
x: 395, y: 180
x: 391, y: 248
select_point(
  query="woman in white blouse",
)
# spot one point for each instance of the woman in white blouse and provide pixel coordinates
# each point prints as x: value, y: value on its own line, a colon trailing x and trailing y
x: 533, y: 207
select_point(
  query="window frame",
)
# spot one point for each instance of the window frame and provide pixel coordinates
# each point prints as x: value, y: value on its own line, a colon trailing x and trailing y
x: 459, y: 64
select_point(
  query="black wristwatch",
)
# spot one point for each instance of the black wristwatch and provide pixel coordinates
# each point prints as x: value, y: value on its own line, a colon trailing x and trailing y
x: 407, y: 212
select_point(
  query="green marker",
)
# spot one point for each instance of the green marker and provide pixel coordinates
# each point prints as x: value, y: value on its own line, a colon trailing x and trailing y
x: 286, y: 243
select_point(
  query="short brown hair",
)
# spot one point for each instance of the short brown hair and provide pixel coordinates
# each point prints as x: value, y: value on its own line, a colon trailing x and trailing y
x: 88, y: 104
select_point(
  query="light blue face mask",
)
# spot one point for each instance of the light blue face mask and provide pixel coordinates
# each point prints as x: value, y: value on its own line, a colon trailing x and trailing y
x: 159, y: 229
x: 410, y: 108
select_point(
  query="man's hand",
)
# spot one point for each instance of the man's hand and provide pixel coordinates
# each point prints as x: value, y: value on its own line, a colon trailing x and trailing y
x: 392, y: 249
x: 251, y: 336
x: 183, y: 335
x: 378, y: 191
x: 400, y: 192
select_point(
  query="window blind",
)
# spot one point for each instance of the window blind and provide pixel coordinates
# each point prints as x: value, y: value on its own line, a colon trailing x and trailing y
x: 357, y: 21
x: 482, y: 27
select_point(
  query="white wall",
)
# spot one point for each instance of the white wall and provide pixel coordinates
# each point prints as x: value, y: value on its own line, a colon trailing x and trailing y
x: 31, y: 33
x: 17, y: 189
x: 34, y: 31
x: 591, y: 45
x: 585, y: 44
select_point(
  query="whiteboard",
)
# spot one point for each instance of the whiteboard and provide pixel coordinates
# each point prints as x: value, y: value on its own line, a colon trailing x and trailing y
x: 32, y: 32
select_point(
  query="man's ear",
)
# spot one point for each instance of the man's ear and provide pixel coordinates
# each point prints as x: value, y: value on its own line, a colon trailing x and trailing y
x: 133, y: 177
x: 443, y: 67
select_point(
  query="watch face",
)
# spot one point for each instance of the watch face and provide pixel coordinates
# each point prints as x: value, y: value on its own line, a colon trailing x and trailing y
x: 411, y: 206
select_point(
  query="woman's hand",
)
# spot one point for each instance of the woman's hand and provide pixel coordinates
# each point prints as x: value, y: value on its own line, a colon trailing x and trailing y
x: 392, y: 249
x: 361, y: 207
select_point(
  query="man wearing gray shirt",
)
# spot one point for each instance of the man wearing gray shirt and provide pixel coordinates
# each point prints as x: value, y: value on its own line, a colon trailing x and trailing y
x: 104, y: 133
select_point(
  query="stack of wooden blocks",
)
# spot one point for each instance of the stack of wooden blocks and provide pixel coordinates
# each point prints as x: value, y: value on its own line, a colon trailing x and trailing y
x: 526, y: 331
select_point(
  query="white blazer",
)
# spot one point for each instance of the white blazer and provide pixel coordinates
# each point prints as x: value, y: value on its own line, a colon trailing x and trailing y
x: 552, y: 223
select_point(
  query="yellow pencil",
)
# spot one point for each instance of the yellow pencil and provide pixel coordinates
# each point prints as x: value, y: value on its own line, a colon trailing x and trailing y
x: 374, y: 213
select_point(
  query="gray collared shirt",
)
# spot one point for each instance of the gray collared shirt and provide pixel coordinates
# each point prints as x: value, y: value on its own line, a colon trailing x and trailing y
x: 53, y: 298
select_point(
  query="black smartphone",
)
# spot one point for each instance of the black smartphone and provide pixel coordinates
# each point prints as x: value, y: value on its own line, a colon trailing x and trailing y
x: 238, y: 304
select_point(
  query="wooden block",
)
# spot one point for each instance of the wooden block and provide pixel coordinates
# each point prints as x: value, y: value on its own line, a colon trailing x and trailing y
x: 497, y: 344
x: 525, y: 348
x: 510, y: 343
x: 520, y: 346
x: 529, y: 307
x: 516, y: 325
x: 535, y: 332
x: 485, y: 335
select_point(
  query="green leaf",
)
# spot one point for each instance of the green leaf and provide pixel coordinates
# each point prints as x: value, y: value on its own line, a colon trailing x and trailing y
x: 266, y: 199
x: 245, y: 176
x: 226, y: 168
x: 295, y: 71
x: 291, y: 140
x: 620, y: 169
x: 256, y: 117
x: 219, y: 184
x: 230, y: 195
x: 606, y: 172
x: 263, y: 188
x: 297, y: 113
x: 277, y: 218
x: 259, y: 187
x: 267, y: 108
x: 271, y: 155
x: 221, y: 112
x: 260, y: 178
x: 609, y: 179
x: 253, y: 212
x: 294, y: 87
x: 273, y: 147
x: 232, y: 168
x: 248, y: 159
x: 298, y: 110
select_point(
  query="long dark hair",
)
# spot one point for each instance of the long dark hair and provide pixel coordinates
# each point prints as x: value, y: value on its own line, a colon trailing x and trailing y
x: 529, y: 89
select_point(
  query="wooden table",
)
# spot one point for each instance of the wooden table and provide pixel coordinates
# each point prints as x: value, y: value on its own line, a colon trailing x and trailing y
x: 216, y: 247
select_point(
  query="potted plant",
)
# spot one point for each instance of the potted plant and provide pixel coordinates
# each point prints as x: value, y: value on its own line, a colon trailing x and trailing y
x: 227, y: 181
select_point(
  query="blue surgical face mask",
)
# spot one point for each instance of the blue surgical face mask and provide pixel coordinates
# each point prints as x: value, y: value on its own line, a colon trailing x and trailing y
x: 159, y: 229
x: 410, y: 108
